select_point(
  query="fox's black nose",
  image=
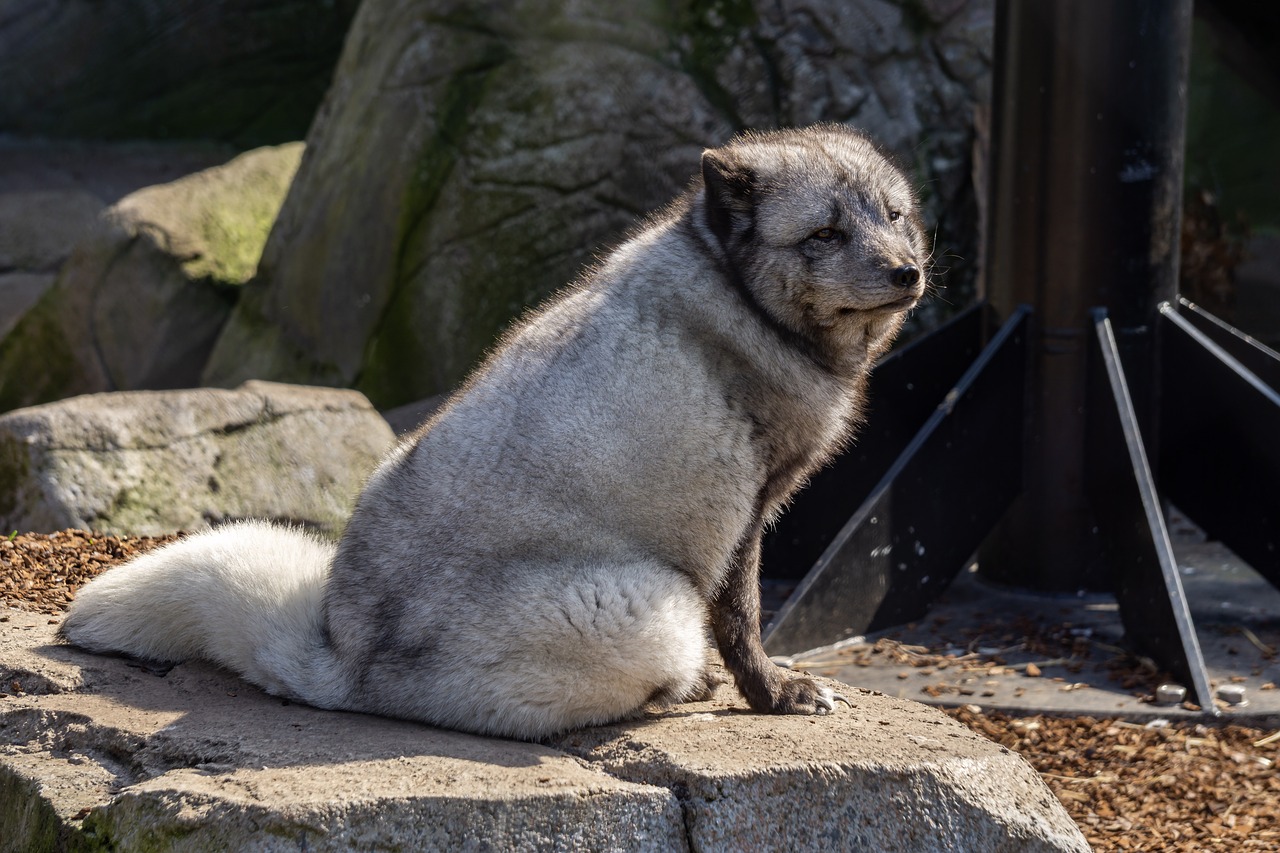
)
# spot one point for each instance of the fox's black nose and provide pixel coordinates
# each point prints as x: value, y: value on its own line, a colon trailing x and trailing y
x: 907, y: 275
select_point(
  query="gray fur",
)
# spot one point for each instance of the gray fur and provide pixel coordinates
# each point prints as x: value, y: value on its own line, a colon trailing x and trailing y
x: 549, y: 549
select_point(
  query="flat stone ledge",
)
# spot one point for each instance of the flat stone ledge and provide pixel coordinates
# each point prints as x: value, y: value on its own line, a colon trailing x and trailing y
x: 98, y: 753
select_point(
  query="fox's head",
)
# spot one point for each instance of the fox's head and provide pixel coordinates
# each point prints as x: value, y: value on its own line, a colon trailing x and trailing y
x: 823, y: 230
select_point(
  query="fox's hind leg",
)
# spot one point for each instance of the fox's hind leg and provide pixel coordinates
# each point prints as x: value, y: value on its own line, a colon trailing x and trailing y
x: 713, y: 676
x: 594, y: 646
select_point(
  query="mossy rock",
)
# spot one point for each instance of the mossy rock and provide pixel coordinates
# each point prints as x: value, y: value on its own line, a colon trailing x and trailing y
x: 471, y: 160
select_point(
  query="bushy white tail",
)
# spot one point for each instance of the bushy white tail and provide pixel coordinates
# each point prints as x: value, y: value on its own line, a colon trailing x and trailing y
x: 247, y: 596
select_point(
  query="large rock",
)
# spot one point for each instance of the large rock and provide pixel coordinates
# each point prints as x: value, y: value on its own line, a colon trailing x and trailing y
x: 98, y: 753
x: 248, y: 71
x: 149, y: 462
x: 52, y: 195
x: 141, y: 299
x: 471, y: 158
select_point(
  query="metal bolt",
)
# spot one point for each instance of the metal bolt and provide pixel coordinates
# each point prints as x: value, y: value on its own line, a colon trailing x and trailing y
x: 1170, y: 694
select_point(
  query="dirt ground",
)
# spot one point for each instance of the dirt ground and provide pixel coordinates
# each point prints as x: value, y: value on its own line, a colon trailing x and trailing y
x: 1157, y: 786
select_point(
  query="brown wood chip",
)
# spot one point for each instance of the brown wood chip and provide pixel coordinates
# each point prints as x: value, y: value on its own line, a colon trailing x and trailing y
x: 41, y: 571
x: 1182, y: 786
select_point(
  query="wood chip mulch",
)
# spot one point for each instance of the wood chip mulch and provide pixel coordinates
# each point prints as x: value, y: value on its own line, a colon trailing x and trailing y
x: 1162, y: 787
x: 41, y: 571
x: 1179, y: 786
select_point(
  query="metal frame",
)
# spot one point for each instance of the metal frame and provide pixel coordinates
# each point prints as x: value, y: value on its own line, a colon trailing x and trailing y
x: 953, y: 479
x: 1219, y: 458
x: 1044, y: 455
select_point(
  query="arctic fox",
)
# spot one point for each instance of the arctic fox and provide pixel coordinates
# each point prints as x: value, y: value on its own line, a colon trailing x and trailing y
x: 549, y: 549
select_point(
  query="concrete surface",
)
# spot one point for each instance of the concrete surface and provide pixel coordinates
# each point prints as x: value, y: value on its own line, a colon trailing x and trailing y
x: 99, y: 753
x: 976, y: 642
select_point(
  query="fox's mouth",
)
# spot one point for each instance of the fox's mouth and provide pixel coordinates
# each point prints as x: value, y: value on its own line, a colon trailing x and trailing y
x: 900, y: 304
x: 892, y: 306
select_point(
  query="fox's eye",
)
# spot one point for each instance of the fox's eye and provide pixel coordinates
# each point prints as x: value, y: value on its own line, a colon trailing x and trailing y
x: 894, y: 215
x: 824, y: 234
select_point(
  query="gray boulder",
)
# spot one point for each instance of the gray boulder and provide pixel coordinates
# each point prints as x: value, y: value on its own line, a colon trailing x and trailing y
x: 150, y: 462
x: 149, y: 284
x: 100, y: 754
x: 471, y: 158
x: 52, y: 195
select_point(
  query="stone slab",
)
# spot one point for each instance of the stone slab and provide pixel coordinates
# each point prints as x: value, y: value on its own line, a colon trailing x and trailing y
x: 195, y: 759
x: 882, y: 775
x: 98, y: 751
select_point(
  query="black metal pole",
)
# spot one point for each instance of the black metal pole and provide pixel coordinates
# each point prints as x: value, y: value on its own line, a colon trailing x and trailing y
x: 1088, y: 129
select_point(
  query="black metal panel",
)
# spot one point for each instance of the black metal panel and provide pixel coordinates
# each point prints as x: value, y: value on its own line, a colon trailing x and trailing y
x: 906, y: 387
x: 1219, y: 459
x: 926, y: 517
x: 1135, y: 541
x: 1262, y: 361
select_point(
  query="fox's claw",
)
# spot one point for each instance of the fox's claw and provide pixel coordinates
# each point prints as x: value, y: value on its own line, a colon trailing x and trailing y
x: 826, y: 700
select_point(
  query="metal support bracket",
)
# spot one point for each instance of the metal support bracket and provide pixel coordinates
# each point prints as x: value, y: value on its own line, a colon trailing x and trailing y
x: 1120, y: 486
x: 1256, y: 357
x: 1219, y: 459
x: 962, y: 466
x: 927, y: 515
x: 905, y: 388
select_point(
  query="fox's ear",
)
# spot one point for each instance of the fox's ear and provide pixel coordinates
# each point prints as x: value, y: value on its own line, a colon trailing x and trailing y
x: 729, y: 186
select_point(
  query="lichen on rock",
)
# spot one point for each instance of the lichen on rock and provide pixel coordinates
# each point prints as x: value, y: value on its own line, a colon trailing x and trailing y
x: 215, y: 222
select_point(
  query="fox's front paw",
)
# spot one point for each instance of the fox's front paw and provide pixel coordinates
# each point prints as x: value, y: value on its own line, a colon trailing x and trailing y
x: 804, y: 696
